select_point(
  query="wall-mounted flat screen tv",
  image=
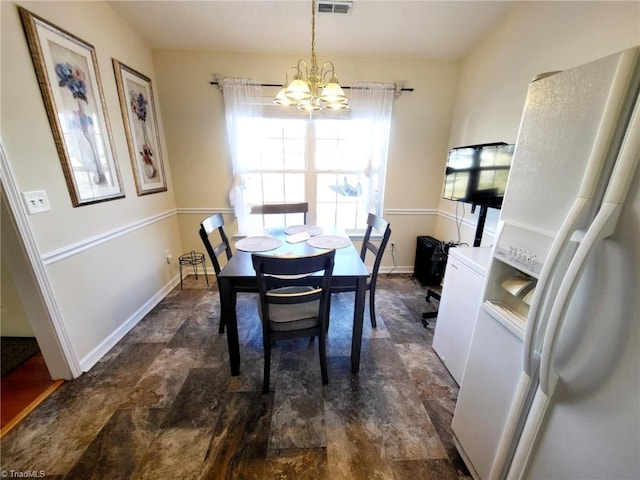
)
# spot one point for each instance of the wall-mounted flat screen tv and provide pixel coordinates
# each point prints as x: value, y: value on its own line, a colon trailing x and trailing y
x: 478, y: 174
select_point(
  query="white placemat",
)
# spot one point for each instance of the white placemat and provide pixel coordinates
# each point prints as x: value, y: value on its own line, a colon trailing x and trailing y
x: 312, y: 230
x: 329, y: 241
x: 258, y: 244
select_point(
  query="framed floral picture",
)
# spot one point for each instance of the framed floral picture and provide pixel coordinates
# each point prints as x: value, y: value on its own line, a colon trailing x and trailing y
x: 141, y: 127
x: 67, y: 71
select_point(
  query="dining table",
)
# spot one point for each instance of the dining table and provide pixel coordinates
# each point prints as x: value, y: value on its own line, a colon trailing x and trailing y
x: 238, y: 275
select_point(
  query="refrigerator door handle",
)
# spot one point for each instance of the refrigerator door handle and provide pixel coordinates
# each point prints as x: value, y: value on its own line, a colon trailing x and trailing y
x: 541, y: 295
x: 509, y: 435
x: 537, y: 415
x: 529, y: 376
x: 602, y: 227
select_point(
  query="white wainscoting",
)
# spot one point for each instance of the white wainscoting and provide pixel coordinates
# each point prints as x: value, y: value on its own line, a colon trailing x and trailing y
x: 78, y: 247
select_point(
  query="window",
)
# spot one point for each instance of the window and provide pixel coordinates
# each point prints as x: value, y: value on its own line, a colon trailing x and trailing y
x: 335, y: 162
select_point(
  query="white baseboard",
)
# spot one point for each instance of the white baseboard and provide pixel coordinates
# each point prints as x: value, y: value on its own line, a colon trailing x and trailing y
x: 386, y: 270
x: 101, y: 350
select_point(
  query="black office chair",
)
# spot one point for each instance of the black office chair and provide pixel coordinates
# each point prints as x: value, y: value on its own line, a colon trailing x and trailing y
x: 438, y: 264
x: 380, y: 225
x: 282, y: 208
x: 208, y: 226
x: 292, y: 306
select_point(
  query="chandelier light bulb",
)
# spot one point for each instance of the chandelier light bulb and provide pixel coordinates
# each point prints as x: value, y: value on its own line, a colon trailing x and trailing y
x: 337, y: 105
x: 298, y: 90
x: 333, y: 93
x: 282, y: 99
x: 311, y: 105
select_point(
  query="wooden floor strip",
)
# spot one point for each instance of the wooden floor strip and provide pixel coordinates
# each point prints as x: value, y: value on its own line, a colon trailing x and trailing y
x: 29, y: 408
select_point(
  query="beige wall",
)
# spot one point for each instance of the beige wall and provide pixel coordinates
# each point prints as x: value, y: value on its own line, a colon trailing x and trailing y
x: 104, y: 264
x: 534, y: 37
x: 193, y: 115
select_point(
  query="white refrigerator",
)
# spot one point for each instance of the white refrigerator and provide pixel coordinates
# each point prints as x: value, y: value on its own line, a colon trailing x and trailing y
x: 551, y: 388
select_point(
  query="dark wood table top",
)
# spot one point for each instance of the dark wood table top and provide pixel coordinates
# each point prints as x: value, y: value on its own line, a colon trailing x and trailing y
x: 348, y: 264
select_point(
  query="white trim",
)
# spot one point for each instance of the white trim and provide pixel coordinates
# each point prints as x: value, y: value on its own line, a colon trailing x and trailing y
x: 468, y: 222
x: 205, y: 210
x: 62, y: 343
x: 388, y: 211
x: 412, y: 211
x: 450, y: 216
x: 386, y: 270
x: 88, y: 243
x: 101, y: 350
x: 76, y: 248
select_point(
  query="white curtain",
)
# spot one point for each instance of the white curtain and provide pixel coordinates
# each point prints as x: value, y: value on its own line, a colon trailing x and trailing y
x: 371, y: 110
x: 242, y: 109
x: 372, y: 106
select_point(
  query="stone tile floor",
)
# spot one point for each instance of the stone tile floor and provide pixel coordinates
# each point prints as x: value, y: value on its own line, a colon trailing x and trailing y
x: 162, y: 404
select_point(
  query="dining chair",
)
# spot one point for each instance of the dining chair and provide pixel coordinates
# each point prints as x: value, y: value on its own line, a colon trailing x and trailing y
x: 291, y: 306
x: 282, y: 208
x: 379, y: 225
x: 207, y: 227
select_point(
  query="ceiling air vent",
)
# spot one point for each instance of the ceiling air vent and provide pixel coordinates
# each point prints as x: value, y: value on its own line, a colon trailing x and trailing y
x: 334, y: 7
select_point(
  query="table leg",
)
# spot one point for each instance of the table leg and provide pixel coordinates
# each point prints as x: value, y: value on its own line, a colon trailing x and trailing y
x: 358, y: 319
x: 228, y: 316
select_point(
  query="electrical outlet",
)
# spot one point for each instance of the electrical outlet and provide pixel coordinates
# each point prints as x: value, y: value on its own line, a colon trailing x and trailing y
x: 393, y: 244
x: 36, y: 201
x: 168, y: 256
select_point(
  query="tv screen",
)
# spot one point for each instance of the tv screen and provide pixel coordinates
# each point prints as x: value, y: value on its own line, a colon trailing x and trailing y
x: 478, y: 173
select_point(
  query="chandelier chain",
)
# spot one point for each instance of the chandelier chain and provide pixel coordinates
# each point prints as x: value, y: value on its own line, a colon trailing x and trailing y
x: 313, y: 30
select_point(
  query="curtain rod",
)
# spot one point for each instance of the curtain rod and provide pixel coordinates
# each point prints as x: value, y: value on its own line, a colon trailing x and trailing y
x: 279, y: 85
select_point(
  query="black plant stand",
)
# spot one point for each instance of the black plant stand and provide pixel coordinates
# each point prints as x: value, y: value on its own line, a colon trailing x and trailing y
x: 193, y: 259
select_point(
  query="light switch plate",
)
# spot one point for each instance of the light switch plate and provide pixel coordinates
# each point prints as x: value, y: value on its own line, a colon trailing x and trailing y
x: 36, y: 201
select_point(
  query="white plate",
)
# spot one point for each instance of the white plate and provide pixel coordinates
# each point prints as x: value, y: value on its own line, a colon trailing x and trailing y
x: 312, y: 230
x: 329, y: 241
x: 258, y: 244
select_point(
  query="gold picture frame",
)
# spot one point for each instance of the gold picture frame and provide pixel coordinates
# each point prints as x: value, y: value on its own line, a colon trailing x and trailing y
x: 67, y: 72
x: 141, y: 127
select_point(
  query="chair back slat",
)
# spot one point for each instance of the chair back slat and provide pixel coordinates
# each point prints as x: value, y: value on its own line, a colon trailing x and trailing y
x: 282, y: 208
x: 272, y: 272
x: 293, y: 298
x: 268, y: 266
x: 207, y: 227
x: 380, y: 225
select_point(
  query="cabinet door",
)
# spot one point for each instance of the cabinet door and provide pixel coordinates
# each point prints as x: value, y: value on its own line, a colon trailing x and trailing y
x: 457, y: 313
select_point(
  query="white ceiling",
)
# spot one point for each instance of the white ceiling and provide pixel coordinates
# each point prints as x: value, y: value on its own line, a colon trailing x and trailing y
x: 415, y: 28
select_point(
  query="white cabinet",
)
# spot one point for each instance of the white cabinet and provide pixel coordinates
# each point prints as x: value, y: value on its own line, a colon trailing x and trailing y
x: 459, y: 306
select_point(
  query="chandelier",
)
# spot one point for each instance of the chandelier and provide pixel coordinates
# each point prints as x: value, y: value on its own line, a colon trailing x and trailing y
x: 309, y: 90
